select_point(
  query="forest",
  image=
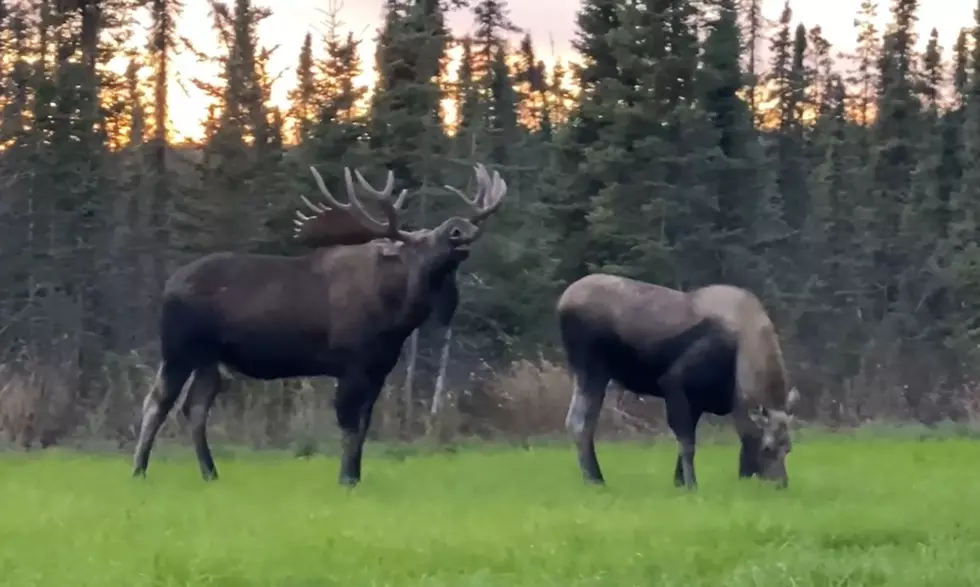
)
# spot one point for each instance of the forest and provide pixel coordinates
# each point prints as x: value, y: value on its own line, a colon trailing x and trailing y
x: 688, y: 143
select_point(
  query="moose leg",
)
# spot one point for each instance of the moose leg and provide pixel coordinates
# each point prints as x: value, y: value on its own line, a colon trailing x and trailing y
x: 747, y: 462
x: 679, y: 466
x: 354, y: 404
x: 681, y: 422
x: 200, y: 398
x: 157, y: 405
x: 583, y: 418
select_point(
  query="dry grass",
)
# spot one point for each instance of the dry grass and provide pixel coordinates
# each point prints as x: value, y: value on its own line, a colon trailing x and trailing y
x: 35, y: 404
x: 529, y: 399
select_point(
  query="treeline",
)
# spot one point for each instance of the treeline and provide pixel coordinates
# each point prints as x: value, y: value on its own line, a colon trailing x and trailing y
x: 843, y: 189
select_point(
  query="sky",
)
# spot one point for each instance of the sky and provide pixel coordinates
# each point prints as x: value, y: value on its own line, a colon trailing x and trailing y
x: 551, y: 24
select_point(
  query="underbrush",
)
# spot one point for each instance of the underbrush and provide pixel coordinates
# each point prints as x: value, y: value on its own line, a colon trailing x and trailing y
x: 40, y: 406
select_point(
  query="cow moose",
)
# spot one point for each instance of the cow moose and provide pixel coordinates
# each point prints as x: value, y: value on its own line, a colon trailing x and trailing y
x: 710, y: 350
x: 343, y: 310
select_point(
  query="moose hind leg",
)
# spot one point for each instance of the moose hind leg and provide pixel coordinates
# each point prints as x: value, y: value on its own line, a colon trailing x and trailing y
x: 200, y: 398
x: 170, y: 381
x: 354, y: 405
x: 583, y: 419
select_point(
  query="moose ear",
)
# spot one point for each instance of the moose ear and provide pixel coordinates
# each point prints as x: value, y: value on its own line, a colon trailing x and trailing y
x: 759, y: 416
x: 792, y: 399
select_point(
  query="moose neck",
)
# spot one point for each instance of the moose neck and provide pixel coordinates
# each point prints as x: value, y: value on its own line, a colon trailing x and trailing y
x: 433, y: 262
x: 445, y: 269
x: 431, y: 268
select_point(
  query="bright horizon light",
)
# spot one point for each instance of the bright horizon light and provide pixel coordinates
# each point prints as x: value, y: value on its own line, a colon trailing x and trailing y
x: 551, y: 24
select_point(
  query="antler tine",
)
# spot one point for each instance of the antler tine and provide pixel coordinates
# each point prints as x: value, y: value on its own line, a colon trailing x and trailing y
x: 383, y: 194
x: 481, y: 188
x: 326, y: 193
x: 493, y: 197
x: 459, y: 193
x: 485, y: 183
x: 352, y: 196
x: 499, y: 191
x: 318, y: 208
x: 401, y: 200
x: 387, y: 206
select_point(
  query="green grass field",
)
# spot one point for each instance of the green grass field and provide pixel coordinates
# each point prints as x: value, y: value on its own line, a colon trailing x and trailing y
x: 858, y: 512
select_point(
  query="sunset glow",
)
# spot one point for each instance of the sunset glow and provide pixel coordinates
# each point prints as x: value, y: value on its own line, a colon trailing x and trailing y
x: 551, y: 24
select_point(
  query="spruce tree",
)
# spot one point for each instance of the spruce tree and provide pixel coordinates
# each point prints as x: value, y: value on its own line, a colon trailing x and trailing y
x: 303, y: 96
x: 965, y: 252
x: 596, y: 20
x: 896, y: 134
x: 502, y: 110
x: 749, y: 215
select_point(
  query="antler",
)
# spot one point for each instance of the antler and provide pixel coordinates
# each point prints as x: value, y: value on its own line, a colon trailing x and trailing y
x: 489, y: 193
x: 335, y: 223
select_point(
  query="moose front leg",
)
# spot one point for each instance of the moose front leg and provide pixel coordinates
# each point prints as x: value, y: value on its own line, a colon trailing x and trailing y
x: 680, y: 419
x: 679, y: 466
x: 354, y: 404
x: 748, y: 463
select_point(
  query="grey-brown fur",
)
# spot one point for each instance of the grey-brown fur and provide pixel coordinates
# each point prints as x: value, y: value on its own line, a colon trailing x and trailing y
x: 343, y: 310
x: 710, y: 350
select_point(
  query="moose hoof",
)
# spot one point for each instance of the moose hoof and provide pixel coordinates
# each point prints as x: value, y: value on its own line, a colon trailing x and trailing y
x: 348, y: 481
x: 679, y: 484
x: 209, y: 475
x: 139, y: 474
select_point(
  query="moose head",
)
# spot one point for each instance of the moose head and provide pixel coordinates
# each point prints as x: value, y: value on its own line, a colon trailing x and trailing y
x: 774, y: 442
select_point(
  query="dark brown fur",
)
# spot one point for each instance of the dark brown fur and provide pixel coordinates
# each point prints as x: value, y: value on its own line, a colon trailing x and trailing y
x: 343, y: 310
x: 711, y: 350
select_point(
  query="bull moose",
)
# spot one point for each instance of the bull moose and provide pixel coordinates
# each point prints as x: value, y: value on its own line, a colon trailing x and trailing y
x: 713, y: 349
x: 343, y: 310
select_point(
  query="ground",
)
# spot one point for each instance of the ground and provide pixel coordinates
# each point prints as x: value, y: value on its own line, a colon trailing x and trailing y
x: 859, y: 511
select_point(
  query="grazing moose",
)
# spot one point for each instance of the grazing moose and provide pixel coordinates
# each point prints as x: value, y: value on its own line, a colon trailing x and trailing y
x: 711, y: 350
x: 343, y: 310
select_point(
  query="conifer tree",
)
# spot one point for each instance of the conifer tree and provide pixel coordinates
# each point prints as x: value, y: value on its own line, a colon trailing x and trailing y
x: 749, y: 211
x: 965, y: 252
x: 302, y: 97
x: 896, y: 133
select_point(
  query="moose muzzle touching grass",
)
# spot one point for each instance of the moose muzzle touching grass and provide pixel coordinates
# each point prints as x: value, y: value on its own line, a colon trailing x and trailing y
x: 343, y: 310
x: 711, y: 350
